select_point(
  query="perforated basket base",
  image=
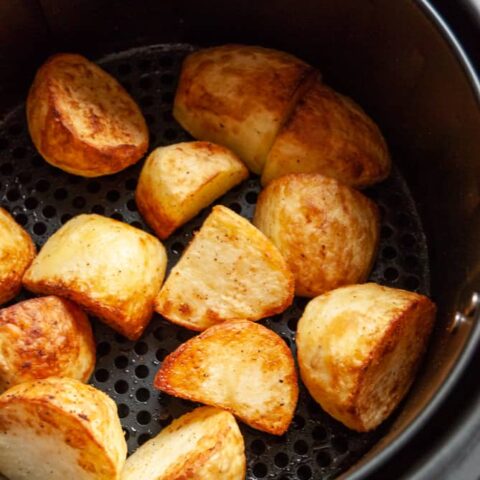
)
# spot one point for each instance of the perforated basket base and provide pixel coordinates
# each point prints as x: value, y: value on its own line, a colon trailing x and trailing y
x: 42, y: 198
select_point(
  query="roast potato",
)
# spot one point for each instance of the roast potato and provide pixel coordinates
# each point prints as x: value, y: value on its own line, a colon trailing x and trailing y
x: 329, y: 134
x: 240, y: 366
x: 180, y: 180
x: 59, y: 429
x: 82, y: 120
x: 44, y: 337
x: 205, y: 444
x: 359, y: 348
x: 16, y: 253
x: 327, y: 232
x: 239, y: 96
x: 108, y: 267
x: 230, y: 270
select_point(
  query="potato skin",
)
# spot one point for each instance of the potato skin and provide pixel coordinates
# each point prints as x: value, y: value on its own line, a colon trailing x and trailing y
x: 230, y: 270
x: 359, y: 348
x: 44, y: 337
x: 111, y: 269
x: 59, y: 428
x: 330, y: 134
x: 327, y: 232
x: 240, y: 366
x: 17, y: 251
x: 82, y: 120
x: 205, y: 444
x: 179, y: 180
x: 239, y: 96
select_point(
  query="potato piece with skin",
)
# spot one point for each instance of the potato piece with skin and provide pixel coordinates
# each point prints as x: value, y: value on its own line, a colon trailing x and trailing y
x: 230, y: 270
x: 82, y: 120
x: 359, y: 348
x: 180, y: 180
x: 240, y: 366
x: 16, y: 253
x: 108, y: 267
x: 330, y: 134
x: 239, y: 96
x: 44, y: 337
x: 205, y: 444
x: 327, y: 232
x: 60, y: 428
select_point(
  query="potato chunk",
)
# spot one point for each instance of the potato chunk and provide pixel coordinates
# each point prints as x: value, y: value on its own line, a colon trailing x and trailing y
x: 82, y: 120
x: 16, y: 254
x: 110, y: 268
x: 180, y: 180
x: 205, y: 444
x: 240, y: 366
x: 359, y: 348
x: 329, y: 134
x: 327, y: 232
x: 230, y: 270
x: 239, y: 96
x: 44, y: 337
x: 58, y: 429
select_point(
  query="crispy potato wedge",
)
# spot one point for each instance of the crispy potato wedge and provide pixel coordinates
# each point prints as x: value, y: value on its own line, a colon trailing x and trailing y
x: 230, y: 270
x: 329, y: 134
x: 239, y: 96
x: 82, y: 120
x: 17, y: 251
x: 57, y: 429
x: 180, y: 180
x: 44, y: 337
x: 327, y: 232
x: 205, y: 444
x: 106, y: 266
x: 240, y: 366
x: 359, y: 348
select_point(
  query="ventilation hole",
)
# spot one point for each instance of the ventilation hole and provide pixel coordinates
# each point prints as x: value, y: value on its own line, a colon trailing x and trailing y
x: 292, y: 324
x: 42, y: 185
x: 121, y: 362
x: 144, y: 417
x: 3, y: 143
x: 143, y: 438
x: 141, y: 371
x: 281, y: 460
x: 166, y: 79
x: 165, y: 61
x: 167, y: 97
x: 79, y: 202
x: 123, y: 410
x: 304, y: 472
x: 145, y: 83
x: 324, y: 459
x: 93, y: 186
x: 386, y: 231
x: 389, y: 253
x: 150, y: 119
x: 298, y: 422
x: 340, y: 444
x: 390, y: 274
x: 142, y: 395
x: 13, y: 195
x: 251, y: 198
x: 141, y: 348
x: 31, y: 203
x: 117, y: 216
x: 131, y: 184
x: 408, y: 240
x: 236, y: 207
x: 99, y: 209
x: 15, y: 129
x: 21, y: 218
x: 319, y: 433
x: 158, y: 333
x: 177, y: 248
x: 103, y: 348
x: 24, y: 178
x: 300, y: 447
x: 113, y: 196
x: 121, y: 386
x: 19, y: 152
x: 6, y: 169
x: 126, y: 433
x: 257, y: 446
x: 146, y: 101
x: 131, y: 205
x: 144, y: 65
x: 65, y: 218
x: 260, y: 470
x: 124, y: 69
x: 60, y: 194
x: 411, y: 262
x: 412, y: 283
x: 101, y: 375
x: 39, y: 228
x: 161, y: 354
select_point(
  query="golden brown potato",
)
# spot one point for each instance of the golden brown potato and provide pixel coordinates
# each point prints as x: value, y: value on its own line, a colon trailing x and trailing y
x: 239, y: 96
x: 230, y: 270
x: 205, y: 444
x: 327, y: 232
x: 58, y: 429
x: 359, y: 348
x: 239, y: 366
x: 180, y: 180
x: 329, y: 134
x: 106, y: 266
x: 16, y: 253
x: 44, y: 337
x: 82, y: 120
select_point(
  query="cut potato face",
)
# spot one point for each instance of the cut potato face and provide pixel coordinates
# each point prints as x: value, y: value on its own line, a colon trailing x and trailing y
x: 230, y: 270
x: 82, y: 120
x: 110, y: 268
x: 205, y: 444
x: 239, y: 366
x: 327, y: 232
x: 329, y: 134
x: 44, y: 337
x: 239, y: 96
x: 57, y: 429
x: 359, y: 348
x: 180, y: 180
x: 16, y: 254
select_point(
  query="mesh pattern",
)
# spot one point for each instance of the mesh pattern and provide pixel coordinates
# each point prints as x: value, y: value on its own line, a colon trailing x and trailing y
x: 42, y: 198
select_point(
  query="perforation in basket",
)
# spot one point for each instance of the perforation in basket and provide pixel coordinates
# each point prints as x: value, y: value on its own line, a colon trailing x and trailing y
x: 42, y: 198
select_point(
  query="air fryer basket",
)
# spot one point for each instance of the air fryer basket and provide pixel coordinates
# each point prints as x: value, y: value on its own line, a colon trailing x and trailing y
x: 387, y: 55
